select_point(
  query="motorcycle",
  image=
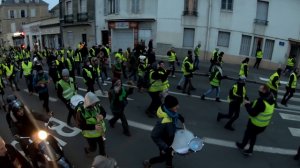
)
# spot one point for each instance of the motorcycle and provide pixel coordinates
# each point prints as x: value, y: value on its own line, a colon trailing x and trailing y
x: 48, y: 152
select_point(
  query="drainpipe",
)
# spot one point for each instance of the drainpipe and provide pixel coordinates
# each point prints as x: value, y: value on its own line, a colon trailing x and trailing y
x: 208, y: 20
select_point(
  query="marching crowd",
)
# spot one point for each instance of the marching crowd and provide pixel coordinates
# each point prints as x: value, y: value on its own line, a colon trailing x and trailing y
x: 136, y: 66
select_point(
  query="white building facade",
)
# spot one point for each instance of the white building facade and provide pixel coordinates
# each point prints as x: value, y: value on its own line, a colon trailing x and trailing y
x: 238, y: 28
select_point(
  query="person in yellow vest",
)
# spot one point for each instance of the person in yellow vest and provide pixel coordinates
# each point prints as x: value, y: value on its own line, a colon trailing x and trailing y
x: 290, y: 64
x: 290, y: 87
x: 237, y: 95
x: 213, y: 59
x: 27, y: 72
x: 120, y: 58
x: 163, y: 132
x: 143, y: 68
x: 104, y: 56
x: 90, y: 118
x: 215, y: 82
x: 97, y: 73
x: 69, y: 62
x: 188, y: 69
x: 77, y: 61
x: 274, y: 83
x: 92, y: 51
x: 66, y: 88
x: 2, y: 94
x: 259, y: 56
x: 197, y: 56
x: 172, y: 57
x: 60, y: 63
x: 88, y: 76
x: 260, y: 114
x: 10, y: 71
x: 244, y: 68
x: 157, y: 78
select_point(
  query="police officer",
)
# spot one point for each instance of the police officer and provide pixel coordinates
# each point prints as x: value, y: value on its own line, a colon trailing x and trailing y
x: 66, y: 88
x: 260, y: 113
x: 90, y: 118
x: 290, y: 87
x: 274, y: 83
x: 237, y: 94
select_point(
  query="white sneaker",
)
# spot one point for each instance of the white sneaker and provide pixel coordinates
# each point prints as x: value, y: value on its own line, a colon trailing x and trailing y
x: 108, y: 78
x: 174, y: 76
x: 104, y: 84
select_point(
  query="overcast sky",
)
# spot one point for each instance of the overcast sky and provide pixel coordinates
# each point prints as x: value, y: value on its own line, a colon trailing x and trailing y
x: 51, y: 3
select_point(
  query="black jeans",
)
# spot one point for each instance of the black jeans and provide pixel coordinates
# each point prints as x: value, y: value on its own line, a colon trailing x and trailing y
x: 288, y: 94
x: 172, y: 64
x: 71, y: 113
x: 28, y: 80
x: 250, y: 135
x: 90, y: 86
x: 233, y: 113
x: 155, y: 103
x: 257, y: 62
x: 119, y: 115
x: 45, y: 97
x: 163, y: 157
x: 93, y: 145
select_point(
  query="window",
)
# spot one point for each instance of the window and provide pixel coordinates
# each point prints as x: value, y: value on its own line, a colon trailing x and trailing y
x: 70, y: 38
x: 32, y: 12
x: 188, y: 37
x: 82, y: 6
x: 11, y: 14
x: 135, y: 6
x: 262, y: 12
x: 69, y: 9
x: 190, y: 7
x: 23, y: 13
x: 227, y: 5
x: 223, y: 39
x: 145, y: 35
x: 112, y: 6
x: 245, y: 45
x: 268, y: 50
x: 13, y: 27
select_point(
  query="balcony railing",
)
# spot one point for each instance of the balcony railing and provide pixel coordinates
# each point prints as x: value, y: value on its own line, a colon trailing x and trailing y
x: 190, y: 13
x: 69, y: 18
x: 82, y: 17
x: 261, y: 22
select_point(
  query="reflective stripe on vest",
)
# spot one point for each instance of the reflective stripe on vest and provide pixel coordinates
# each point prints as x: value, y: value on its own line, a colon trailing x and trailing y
x: 90, y: 118
x: 68, y: 88
x: 156, y: 85
x: 263, y: 119
x: 77, y: 57
x: 27, y: 68
x: 235, y: 89
x: 215, y: 81
x: 89, y: 74
x: 271, y: 81
x: 183, y: 66
x: 107, y: 51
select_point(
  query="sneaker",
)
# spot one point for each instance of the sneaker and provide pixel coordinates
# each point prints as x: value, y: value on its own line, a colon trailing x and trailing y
x: 202, y: 97
x: 127, y: 133
x: 108, y: 78
x: 193, y: 88
x: 218, y: 100
x: 247, y: 153
x: 104, y: 84
x: 296, y: 157
x: 111, y: 125
x: 173, y: 76
x: 229, y: 127
x: 179, y: 87
x: 146, y: 164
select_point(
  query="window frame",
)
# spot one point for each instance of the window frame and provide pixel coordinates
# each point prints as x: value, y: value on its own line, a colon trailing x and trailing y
x: 183, y: 39
x: 223, y: 43
x: 22, y: 10
x: 190, y: 7
x: 12, y: 14
x: 80, y: 6
x: 135, y: 6
x: 227, y: 5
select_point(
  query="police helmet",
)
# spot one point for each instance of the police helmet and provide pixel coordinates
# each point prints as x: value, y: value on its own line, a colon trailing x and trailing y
x: 16, y: 106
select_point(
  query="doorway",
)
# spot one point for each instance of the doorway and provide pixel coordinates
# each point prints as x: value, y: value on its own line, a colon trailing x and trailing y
x: 295, y: 51
x: 104, y: 34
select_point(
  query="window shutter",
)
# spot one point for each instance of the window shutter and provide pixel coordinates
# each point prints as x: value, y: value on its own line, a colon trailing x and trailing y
x: 245, y: 45
x: 117, y: 6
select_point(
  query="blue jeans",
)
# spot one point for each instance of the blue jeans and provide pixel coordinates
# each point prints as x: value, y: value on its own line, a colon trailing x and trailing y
x: 217, y: 88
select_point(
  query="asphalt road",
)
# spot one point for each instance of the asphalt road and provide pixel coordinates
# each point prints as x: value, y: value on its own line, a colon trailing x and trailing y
x: 275, y: 146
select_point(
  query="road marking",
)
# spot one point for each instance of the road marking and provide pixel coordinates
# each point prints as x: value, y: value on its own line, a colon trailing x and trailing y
x: 50, y: 98
x: 295, y: 131
x: 265, y: 79
x: 290, y: 107
x: 291, y: 117
x: 293, y: 99
x: 283, y: 92
x: 220, y: 142
x: 99, y: 93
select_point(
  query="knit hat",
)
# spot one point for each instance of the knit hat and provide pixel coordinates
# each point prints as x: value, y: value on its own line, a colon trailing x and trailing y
x: 89, y: 99
x: 103, y: 162
x: 65, y: 72
x: 171, y: 101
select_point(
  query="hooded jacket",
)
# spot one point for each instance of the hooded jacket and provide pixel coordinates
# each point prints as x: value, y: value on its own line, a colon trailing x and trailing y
x: 260, y: 105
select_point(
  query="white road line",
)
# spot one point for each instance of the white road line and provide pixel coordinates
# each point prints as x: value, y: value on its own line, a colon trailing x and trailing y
x: 265, y: 79
x: 50, y: 98
x: 283, y: 92
x: 295, y: 131
x: 287, y: 110
x: 220, y: 142
x: 290, y: 107
x: 291, y: 117
x: 98, y: 93
x: 294, y: 99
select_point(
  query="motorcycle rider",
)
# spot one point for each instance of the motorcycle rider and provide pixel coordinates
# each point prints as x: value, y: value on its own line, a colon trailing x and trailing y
x: 22, y: 124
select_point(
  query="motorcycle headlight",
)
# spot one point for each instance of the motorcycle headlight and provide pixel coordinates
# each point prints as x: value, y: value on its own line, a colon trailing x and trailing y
x: 42, y: 135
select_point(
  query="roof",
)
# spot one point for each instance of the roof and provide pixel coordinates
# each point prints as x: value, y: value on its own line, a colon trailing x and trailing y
x: 12, y: 2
